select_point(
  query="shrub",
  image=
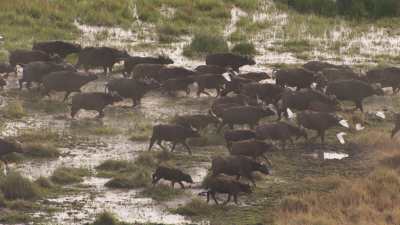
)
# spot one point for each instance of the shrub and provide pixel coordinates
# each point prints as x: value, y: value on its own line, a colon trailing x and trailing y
x: 244, y: 48
x: 14, y: 110
x: 139, y: 178
x: 14, y: 186
x: 42, y: 150
x: 162, y: 192
x: 106, y: 218
x: 194, y: 208
x: 66, y: 175
x: 205, y: 43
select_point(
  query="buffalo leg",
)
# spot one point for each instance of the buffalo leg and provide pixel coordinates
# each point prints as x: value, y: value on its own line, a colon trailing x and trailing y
x: 66, y: 96
x: 187, y: 147
x: 101, y: 114
x: 105, y: 70
x: 152, y: 140
x: 173, y: 146
x: 208, y: 196
x: 359, y: 106
x: 235, y: 198
x: 155, y: 181
x: 215, y: 199
x: 228, y: 200
x: 220, y: 127
x: 267, y: 160
x: 322, y: 135
x: 73, y: 112
x: 182, y: 186
x: 172, y: 184
x: 21, y: 82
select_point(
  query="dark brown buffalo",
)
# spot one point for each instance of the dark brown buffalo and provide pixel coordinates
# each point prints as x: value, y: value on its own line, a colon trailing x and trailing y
x: 104, y: 57
x: 203, y: 69
x: 226, y: 186
x: 147, y: 71
x: 301, y: 100
x: 268, y: 93
x: 209, y: 81
x: 329, y: 75
x: 131, y: 62
x: 22, y: 57
x: 171, y: 174
x: 387, y: 77
x: 92, y: 101
x: 317, y: 66
x: 173, y: 72
x: 318, y: 121
x: 279, y: 131
x: 171, y: 86
x: 60, y: 48
x: 252, y: 148
x: 66, y: 81
x: 35, y: 71
x: 131, y: 88
x: 238, y: 135
x: 239, y: 166
x: 250, y: 115
x: 198, y: 121
x: 353, y: 90
x: 229, y: 60
x: 295, y: 77
x: 255, y: 76
x: 172, y: 133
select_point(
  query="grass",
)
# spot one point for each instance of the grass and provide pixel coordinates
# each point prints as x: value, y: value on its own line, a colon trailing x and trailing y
x: 162, y: 192
x: 369, y: 200
x: 14, y: 186
x: 106, y: 218
x: 38, y: 150
x: 141, y: 177
x: 69, y: 175
x: 205, y: 43
x: 244, y: 48
x: 14, y: 110
x: 38, y: 135
x: 195, y: 207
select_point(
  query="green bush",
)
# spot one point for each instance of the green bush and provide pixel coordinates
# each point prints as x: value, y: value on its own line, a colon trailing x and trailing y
x: 14, y: 186
x: 106, y: 218
x: 205, y: 43
x: 66, y: 175
x: 245, y: 48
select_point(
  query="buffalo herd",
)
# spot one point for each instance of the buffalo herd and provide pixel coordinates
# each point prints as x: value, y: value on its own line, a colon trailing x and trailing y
x: 308, y: 96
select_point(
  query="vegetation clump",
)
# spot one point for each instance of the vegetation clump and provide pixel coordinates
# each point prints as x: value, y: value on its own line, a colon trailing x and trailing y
x: 69, y: 175
x: 205, y: 43
x: 14, y: 186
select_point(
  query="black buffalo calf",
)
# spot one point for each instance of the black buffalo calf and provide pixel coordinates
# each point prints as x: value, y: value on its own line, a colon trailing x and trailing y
x: 171, y: 174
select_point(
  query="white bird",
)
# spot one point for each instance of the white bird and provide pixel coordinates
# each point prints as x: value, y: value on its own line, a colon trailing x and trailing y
x: 359, y: 127
x: 227, y: 77
x: 314, y: 85
x: 291, y: 114
x: 340, y: 137
x: 381, y: 114
x: 344, y: 123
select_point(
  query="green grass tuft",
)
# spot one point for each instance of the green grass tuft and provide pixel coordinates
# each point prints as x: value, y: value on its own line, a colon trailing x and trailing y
x: 206, y: 43
x: 106, y: 218
x: 37, y: 150
x: 244, y: 48
x: 162, y: 192
x: 67, y: 175
x: 14, y: 186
